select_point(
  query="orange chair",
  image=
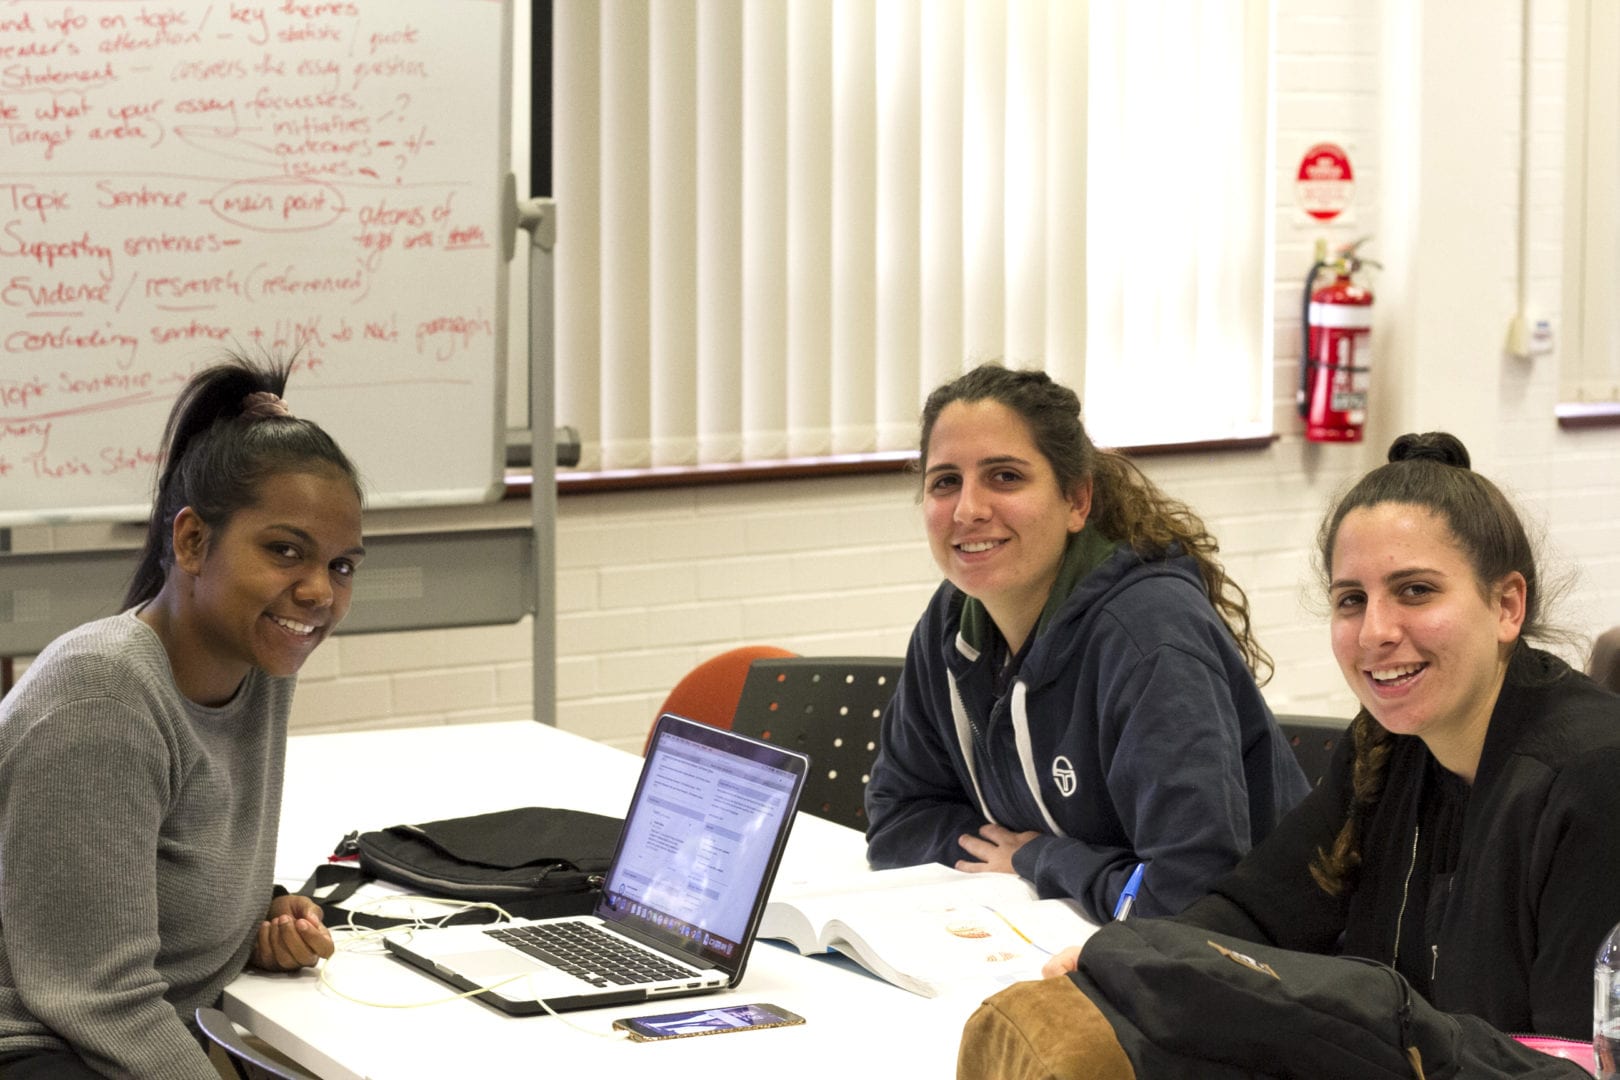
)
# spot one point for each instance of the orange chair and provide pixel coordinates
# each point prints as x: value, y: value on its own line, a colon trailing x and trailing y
x: 709, y: 692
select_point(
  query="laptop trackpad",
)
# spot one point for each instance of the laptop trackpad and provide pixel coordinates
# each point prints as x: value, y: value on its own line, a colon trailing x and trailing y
x: 488, y: 966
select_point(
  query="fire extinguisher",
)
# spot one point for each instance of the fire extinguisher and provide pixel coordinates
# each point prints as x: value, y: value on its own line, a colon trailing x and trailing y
x: 1335, y: 367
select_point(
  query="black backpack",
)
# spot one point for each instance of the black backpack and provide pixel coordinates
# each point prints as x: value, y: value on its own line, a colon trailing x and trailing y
x: 1189, y: 1003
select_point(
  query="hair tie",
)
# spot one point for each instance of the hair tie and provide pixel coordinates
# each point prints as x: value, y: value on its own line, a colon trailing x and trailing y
x: 262, y: 404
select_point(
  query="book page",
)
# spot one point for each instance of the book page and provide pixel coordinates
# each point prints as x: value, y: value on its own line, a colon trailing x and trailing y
x: 791, y: 889
x: 799, y: 911
x: 961, y: 946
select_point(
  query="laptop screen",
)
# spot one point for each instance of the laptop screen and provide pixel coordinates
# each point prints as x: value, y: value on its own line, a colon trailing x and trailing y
x: 704, y: 831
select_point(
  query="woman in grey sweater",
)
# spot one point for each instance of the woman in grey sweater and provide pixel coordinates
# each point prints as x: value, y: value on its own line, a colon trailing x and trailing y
x: 141, y: 755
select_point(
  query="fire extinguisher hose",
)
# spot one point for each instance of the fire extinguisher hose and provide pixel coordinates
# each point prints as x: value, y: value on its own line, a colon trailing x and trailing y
x: 1302, y: 398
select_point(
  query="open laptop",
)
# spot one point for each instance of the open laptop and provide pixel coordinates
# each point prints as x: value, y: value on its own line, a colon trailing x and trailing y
x: 680, y: 901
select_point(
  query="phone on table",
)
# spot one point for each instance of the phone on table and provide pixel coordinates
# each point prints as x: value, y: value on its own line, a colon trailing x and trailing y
x: 715, y: 1021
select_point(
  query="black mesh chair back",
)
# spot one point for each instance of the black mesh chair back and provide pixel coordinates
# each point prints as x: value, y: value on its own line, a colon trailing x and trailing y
x: 1313, y: 739
x: 827, y: 707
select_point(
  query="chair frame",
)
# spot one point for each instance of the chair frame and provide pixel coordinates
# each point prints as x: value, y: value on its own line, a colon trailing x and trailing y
x: 220, y: 1030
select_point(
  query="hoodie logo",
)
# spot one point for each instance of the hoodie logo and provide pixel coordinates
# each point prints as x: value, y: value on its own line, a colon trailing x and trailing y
x: 1063, y: 775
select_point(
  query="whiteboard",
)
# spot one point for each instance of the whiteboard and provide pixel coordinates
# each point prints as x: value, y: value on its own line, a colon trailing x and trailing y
x: 178, y: 177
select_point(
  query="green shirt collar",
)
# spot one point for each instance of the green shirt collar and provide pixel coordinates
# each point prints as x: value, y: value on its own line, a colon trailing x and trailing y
x: 1085, y: 551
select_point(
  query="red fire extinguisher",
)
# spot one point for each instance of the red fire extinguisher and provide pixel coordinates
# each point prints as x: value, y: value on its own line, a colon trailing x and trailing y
x: 1336, y: 365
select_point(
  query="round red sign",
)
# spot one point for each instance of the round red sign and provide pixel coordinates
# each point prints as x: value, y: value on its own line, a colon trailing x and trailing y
x: 1325, y: 183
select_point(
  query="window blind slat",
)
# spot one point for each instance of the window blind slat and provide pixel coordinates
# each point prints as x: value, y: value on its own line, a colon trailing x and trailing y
x: 1066, y: 278
x: 1592, y: 371
x: 942, y: 340
x: 576, y: 184
x: 984, y: 213
x: 809, y: 182
x: 853, y: 316
x: 765, y: 230
x: 672, y: 192
x: 1024, y: 183
x: 898, y: 252
x: 626, y: 242
x: 720, y: 296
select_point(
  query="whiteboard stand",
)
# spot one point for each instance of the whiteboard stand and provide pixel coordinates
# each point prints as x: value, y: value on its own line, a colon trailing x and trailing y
x: 539, y: 218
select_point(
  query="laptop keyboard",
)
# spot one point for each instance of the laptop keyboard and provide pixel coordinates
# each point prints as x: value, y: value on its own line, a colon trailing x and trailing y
x: 587, y: 952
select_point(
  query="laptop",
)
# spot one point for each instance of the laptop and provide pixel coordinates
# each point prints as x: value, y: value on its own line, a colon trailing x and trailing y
x: 680, y: 901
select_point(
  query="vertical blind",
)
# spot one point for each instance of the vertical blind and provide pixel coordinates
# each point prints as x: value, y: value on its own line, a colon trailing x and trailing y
x: 1590, y: 354
x: 781, y: 222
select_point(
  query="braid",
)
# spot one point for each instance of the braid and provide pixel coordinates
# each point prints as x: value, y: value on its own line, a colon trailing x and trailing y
x: 1333, y: 869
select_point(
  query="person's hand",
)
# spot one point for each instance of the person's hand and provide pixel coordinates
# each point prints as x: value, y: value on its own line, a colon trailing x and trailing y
x: 292, y: 936
x: 993, y: 849
x: 1061, y: 963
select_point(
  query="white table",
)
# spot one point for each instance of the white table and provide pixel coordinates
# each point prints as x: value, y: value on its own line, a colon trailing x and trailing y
x: 857, y: 1026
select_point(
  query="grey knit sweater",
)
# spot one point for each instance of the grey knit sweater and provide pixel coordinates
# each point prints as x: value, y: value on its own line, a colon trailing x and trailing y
x: 137, y: 845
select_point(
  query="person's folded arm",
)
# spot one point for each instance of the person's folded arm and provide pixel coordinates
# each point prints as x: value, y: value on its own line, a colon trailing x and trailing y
x: 1168, y: 738
x: 1065, y: 868
x: 916, y: 806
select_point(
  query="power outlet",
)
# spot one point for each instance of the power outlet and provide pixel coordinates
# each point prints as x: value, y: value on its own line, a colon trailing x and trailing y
x: 1541, y: 337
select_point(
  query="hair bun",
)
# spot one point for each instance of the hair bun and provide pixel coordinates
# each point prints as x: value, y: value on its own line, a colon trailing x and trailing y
x: 1441, y: 446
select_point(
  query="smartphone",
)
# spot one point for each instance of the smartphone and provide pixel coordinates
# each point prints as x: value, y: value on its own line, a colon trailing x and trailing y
x: 715, y: 1021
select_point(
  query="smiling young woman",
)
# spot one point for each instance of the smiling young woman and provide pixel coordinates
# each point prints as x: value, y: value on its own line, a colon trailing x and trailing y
x: 1477, y: 795
x: 1465, y: 832
x: 141, y: 755
x: 1079, y: 699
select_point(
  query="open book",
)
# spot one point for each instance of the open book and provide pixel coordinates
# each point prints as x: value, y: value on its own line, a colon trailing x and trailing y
x: 928, y: 929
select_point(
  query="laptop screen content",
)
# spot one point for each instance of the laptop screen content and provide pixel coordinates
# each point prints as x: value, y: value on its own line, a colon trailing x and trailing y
x: 700, y: 835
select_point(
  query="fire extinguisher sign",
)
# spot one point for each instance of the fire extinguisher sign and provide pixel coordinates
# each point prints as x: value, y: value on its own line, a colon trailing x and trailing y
x: 1325, y: 184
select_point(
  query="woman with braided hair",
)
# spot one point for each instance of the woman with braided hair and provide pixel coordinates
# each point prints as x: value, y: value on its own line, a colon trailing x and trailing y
x: 141, y: 755
x: 1466, y: 831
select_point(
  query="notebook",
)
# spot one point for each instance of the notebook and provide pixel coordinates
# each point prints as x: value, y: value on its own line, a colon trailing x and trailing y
x: 681, y: 899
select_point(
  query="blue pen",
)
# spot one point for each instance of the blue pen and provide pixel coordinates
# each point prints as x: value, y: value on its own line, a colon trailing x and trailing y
x: 1127, y: 896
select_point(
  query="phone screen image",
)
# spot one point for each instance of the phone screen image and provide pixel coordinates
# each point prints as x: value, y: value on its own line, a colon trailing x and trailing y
x: 715, y: 1021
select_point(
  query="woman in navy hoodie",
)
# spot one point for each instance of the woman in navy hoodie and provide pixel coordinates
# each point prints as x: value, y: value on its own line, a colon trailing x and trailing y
x: 1079, y: 698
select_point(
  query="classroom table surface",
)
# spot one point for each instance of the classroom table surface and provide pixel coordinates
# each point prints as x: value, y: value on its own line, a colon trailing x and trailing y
x: 368, y: 1016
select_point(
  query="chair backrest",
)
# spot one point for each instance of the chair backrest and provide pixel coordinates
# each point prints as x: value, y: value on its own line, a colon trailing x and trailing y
x: 1313, y: 739
x: 1604, y: 664
x: 828, y: 707
x: 242, y: 1052
x: 709, y: 692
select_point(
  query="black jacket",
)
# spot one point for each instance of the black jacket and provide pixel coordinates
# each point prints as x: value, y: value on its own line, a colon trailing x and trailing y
x: 1510, y: 932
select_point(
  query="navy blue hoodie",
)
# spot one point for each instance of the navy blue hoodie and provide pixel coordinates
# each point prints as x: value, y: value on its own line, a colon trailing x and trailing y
x: 1132, y: 732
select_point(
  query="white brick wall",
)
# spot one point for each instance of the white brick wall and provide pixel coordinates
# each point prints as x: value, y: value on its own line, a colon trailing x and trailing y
x: 649, y: 584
